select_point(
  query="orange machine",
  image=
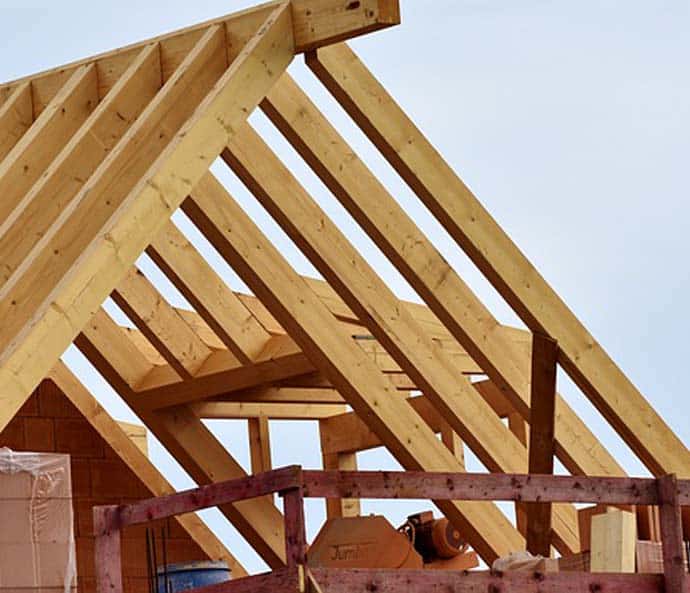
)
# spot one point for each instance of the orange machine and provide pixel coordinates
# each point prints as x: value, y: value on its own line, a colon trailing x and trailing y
x: 372, y: 542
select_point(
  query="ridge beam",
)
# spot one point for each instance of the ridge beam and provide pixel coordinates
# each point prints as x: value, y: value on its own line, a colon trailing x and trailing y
x: 322, y: 22
x: 315, y: 23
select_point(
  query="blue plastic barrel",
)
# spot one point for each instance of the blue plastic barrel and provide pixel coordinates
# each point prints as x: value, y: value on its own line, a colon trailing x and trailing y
x: 190, y: 575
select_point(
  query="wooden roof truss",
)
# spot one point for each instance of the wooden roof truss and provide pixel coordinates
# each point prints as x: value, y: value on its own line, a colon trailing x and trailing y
x: 98, y: 155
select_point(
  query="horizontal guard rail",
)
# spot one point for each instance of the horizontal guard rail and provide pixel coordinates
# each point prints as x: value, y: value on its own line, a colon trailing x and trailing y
x: 508, y: 487
x: 295, y: 484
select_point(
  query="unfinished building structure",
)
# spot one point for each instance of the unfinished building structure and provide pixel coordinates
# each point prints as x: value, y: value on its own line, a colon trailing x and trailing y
x: 96, y: 156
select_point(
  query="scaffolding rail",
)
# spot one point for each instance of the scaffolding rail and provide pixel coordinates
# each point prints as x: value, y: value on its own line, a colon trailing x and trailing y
x: 294, y: 484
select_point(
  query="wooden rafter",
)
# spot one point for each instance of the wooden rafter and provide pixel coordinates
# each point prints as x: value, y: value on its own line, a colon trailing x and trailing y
x: 505, y: 266
x: 36, y: 149
x: 395, y: 233
x: 119, y: 173
x: 16, y: 116
x: 373, y: 302
x: 204, y: 458
x: 41, y: 206
x: 207, y: 460
x: 96, y: 156
x: 264, y: 270
x: 176, y: 341
x: 208, y: 294
x: 44, y: 317
x: 124, y: 355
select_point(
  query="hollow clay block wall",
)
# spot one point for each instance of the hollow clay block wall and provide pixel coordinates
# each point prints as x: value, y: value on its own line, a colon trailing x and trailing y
x: 49, y: 422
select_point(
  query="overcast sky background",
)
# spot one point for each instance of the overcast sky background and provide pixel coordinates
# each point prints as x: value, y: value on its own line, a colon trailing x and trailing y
x: 571, y: 123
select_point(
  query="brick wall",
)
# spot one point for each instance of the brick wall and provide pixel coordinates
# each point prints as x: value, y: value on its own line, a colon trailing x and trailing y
x: 48, y: 422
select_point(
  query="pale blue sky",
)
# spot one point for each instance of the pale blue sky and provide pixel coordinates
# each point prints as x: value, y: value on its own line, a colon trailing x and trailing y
x: 570, y: 121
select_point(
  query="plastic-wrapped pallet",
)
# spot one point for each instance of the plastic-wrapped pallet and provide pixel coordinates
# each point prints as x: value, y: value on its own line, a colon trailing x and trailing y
x: 37, y: 552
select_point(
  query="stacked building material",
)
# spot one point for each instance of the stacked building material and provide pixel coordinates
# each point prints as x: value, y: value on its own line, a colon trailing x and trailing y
x: 37, y: 535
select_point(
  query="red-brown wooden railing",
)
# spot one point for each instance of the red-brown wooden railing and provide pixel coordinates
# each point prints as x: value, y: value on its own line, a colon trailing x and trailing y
x: 295, y: 484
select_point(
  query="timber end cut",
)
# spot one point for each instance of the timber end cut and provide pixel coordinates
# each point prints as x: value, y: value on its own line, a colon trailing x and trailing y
x: 319, y: 23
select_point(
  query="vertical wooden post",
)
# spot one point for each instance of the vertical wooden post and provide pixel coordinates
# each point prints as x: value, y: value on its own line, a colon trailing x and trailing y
x: 259, y: 444
x: 671, y: 534
x: 541, y: 437
x: 519, y: 428
x: 295, y: 532
x: 260, y: 447
x: 452, y: 440
x: 107, y: 552
x: 341, y: 507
